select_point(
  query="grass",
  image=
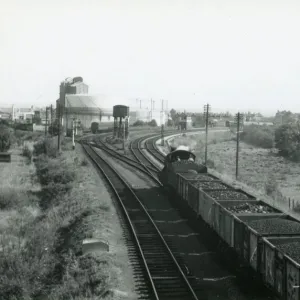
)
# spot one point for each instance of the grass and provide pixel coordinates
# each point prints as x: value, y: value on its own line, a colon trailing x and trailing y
x: 41, y: 244
x: 259, y: 168
x: 261, y: 171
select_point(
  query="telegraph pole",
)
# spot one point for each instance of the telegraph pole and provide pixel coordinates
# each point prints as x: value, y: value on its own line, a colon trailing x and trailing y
x: 51, y: 111
x: 46, y: 129
x: 162, y: 123
x: 59, y: 126
x: 73, y: 133
x: 239, y: 119
x: 206, y: 114
x: 124, y: 135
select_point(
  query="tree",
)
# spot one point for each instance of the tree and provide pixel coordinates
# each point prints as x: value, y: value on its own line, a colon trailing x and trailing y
x: 173, y: 114
x: 5, y: 138
x: 285, y: 117
x: 53, y: 128
x: 287, y: 141
x: 152, y: 123
x: 198, y: 120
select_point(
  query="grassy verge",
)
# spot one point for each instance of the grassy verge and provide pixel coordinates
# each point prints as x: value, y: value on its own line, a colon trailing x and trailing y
x: 46, y: 221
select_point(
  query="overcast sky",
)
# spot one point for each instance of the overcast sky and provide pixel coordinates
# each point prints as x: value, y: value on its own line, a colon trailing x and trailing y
x: 233, y: 54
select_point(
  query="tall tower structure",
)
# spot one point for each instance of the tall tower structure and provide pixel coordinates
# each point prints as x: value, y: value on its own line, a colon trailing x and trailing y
x: 70, y: 85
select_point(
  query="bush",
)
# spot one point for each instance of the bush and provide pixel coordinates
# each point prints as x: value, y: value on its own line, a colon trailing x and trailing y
x: 27, y: 152
x: 84, y: 162
x: 9, y: 197
x: 5, y: 138
x: 152, y: 123
x: 260, y: 136
x: 271, y: 186
x: 45, y: 146
x: 287, y: 141
x: 138, y: 123
x: 56, y: 171
x: 85, y: 277
x: 170, y: 123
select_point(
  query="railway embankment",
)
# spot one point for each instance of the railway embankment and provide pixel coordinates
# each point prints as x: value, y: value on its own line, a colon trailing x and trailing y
x: 50, y: 204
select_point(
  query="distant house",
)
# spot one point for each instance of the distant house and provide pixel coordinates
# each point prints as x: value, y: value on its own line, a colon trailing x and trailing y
x: 23, y: 114
x: 5, y: 115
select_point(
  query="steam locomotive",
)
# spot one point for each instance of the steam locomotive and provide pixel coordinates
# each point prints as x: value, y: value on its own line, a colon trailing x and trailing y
x: 179, y: 160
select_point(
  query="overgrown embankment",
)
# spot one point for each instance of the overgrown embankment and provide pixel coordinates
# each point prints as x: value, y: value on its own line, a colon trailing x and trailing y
x: 41, y: 242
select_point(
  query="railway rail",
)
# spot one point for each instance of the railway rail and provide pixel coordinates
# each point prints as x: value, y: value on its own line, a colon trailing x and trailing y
x: 150, y: 145
x: 137, y: 151
x: 164, y: 274
x: 150, y: 171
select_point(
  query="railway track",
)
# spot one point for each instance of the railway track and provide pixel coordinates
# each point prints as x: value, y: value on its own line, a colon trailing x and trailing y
x: 166, y: 279
x: 137, y: 151
x: 150, y: 145
x: 134, y: 163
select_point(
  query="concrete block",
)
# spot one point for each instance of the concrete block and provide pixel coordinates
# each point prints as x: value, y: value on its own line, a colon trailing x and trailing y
x: 94, y: 245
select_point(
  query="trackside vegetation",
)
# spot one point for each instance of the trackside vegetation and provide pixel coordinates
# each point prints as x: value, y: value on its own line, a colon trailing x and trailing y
x: 285, y: 138
x: 41, y: 244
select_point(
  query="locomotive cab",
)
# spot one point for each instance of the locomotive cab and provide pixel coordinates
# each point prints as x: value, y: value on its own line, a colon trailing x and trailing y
x: 179, y: 161
x: 179, y: 155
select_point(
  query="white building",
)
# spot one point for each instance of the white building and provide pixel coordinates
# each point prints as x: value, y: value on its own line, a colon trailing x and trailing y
x: 146, y: 115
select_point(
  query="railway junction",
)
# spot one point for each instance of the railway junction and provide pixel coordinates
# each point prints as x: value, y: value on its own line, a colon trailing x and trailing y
x: 173, y: 254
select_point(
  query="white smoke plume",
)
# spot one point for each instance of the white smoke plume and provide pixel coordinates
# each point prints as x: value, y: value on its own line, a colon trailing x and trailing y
x: 188, y: 143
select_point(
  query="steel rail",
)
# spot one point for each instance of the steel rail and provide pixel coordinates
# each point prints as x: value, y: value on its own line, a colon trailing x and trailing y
x: 136, y: 149
x: 128, y: 161
x: 124, y: 211
x: 97, y: 161
x: 152, y: 149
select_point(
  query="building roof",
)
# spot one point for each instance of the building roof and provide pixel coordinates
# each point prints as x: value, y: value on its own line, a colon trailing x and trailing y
x: 78, y: 83
x: 7, y: 110
x: 23, y: 110
x: 4, y: 113
x: 85, y: 103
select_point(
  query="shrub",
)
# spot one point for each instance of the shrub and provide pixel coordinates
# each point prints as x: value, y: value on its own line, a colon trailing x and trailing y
x: 9, y: 197
x: 86, y: 276
x: 271, y: 186
x: 5, y: 138
x: 56, y: 171
x: 84, y: 162
x: 210, y: 164
x: 138, y: 123
x: 27, y: 152
x: 45, y: 146
x: 152, y: 123
x: 260, y: 136
x: 287, y: 141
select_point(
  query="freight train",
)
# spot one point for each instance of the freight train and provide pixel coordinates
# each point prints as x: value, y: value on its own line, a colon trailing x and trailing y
x: 264, y: 238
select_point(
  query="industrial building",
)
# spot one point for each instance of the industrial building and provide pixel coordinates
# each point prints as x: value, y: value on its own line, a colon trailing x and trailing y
x: 147, y: 115
x: 86, y: 109
x: 75, y: 103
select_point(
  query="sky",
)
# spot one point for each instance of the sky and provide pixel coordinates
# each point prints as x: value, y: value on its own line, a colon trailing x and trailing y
x: 235, y: 55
